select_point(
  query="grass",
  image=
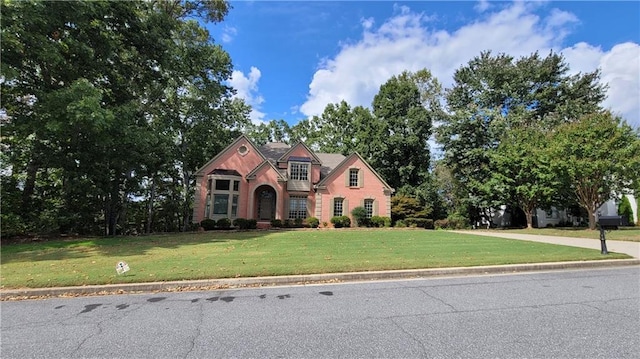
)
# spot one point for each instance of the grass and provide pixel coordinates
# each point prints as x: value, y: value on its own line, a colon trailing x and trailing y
x: 631, y: 234
x: 260, y: 253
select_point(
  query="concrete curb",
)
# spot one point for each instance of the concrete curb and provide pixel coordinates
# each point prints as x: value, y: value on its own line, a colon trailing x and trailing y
x: 227, y: 283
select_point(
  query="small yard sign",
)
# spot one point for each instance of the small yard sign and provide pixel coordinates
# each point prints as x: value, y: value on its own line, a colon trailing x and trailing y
x: 122, y: 267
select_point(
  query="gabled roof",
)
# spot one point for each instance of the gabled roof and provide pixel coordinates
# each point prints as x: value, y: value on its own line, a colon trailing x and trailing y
x: 266, y: 162
x: 314, y: 158
x: 273, y: 150
x: 329, y: 162
x: 342, y: 164
x: 200, y: 171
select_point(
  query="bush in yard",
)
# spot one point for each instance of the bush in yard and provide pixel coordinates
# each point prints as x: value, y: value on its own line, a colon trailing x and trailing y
x: 377, y: 221
x: 298, y: 222
x: 419, y: 222
x: 287, y: 223
x: 408, y: 207
x: 400, y: 224
x: 242, y: 223
x: 453, y: 221
x: 313, y: 222
x: 625, y: 210
x: 208, y: 224
x: 441, y: 224
x: 276, y: 223
x: 341, y: 221
x: 360, y: 216
x: 223, y: 223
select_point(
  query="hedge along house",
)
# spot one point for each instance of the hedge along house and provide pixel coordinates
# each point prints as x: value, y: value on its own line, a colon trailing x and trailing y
x: 278, y: 181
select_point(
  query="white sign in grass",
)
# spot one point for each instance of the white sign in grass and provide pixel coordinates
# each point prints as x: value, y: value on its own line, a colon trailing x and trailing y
x: 122, y: 267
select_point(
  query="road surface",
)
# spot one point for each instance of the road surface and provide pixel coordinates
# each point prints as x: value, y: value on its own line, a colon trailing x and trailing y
x: 579, y: 313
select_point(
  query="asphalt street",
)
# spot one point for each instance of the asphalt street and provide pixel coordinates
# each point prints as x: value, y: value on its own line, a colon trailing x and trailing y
x: 572, y: 313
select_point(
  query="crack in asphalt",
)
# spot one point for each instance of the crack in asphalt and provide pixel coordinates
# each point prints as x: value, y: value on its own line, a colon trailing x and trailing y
x: 411, y: 336
x: 437, y: 299
x: 198, y: 330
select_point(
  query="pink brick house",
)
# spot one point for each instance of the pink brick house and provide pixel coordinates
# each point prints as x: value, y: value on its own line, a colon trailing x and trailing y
x: 278, y: 181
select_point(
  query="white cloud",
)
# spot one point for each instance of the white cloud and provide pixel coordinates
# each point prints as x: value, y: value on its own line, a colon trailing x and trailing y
x: 620, y: 70
x: 409, y: 41
x: 247, y: 89
x: 228, y: 34
x: 482, y: 6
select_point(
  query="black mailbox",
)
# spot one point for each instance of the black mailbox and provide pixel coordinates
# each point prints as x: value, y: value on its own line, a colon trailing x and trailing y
x: 610, y: 222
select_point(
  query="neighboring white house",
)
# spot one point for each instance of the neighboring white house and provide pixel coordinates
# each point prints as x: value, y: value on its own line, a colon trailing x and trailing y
x: 553, y: 217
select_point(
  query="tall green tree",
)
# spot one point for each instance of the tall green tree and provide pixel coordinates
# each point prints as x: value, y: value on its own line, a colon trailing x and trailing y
x: 82, y: 85
x: 597, y: 157
x: 522, y: 172
x: 493, y: 94
x: 405, y: 129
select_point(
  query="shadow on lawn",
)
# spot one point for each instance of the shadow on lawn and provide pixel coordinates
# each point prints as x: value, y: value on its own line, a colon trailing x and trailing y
x: 118, y: 246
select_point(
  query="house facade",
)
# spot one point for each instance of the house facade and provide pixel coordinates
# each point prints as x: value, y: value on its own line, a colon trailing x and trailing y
x: 278, y: 181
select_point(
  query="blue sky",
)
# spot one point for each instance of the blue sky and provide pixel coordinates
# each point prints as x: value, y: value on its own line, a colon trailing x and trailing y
x: 293, y: 58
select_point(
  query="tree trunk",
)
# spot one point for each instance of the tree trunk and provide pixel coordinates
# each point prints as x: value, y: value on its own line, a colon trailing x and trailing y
x: 529, y: 216
x: 29, y: 188
x: 152, y: 196
x: 592, y: 218
x: 186, y: 186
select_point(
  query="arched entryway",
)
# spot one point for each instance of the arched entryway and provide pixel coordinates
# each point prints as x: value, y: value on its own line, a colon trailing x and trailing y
x: 265, y: 203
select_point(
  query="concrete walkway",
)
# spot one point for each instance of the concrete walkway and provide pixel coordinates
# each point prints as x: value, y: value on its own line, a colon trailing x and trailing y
x: 630, y: 248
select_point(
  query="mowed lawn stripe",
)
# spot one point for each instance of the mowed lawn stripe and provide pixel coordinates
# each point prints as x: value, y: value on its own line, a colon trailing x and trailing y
x: 263, y: 253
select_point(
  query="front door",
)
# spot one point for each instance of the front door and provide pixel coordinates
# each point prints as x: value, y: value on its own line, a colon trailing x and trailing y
x: 266, y: 205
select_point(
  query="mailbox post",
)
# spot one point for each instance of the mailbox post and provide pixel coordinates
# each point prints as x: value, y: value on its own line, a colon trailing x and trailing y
x: 607, y: 223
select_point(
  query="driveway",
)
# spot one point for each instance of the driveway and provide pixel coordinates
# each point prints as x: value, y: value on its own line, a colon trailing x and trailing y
x: 630, y: 248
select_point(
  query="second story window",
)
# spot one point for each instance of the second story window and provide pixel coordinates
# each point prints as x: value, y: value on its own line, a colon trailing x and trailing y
x: 353, y: 177
x: 299, y: 171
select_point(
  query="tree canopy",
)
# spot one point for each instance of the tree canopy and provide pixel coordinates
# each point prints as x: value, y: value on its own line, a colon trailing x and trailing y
x: 101, y: 101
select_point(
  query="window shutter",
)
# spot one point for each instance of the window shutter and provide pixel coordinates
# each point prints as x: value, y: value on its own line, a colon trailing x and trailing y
x: 345, y: 207
x: 360, y: 178
x: 332, y: 207
x: 346, y: 178
x: 309, y: 214
x: 375, y: 207
x: 285, y: 215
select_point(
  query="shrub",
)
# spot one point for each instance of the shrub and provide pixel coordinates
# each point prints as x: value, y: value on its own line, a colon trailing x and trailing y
x: 624, y: 210
x: 360, y: 216
x: 400, y: 223
x: 377, y: 221
x: 208, y: 224
x: 441, y: 224
x: 457, y: 221
x: 276, y: 223
x: 297, y: 222
x: 313, y: 222
x: 242, y: 223
x: 408, y: 207
x: 341, y: 221
x: 287, y: 223
x: 419, y: 222
x: 223, y: 223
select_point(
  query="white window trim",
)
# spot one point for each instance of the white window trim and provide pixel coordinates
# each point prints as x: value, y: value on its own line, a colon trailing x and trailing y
x: 230, y: 193
x: 300, y: 165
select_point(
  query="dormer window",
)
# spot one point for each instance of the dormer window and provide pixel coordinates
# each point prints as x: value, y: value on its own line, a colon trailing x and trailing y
x: 299, y: 171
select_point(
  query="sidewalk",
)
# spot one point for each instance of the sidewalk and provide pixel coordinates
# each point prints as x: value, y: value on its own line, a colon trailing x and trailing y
x: 630, y: 248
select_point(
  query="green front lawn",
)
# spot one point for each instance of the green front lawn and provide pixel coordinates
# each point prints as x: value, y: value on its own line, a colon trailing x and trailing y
x: 631, y: 234
x: 263, y: 253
